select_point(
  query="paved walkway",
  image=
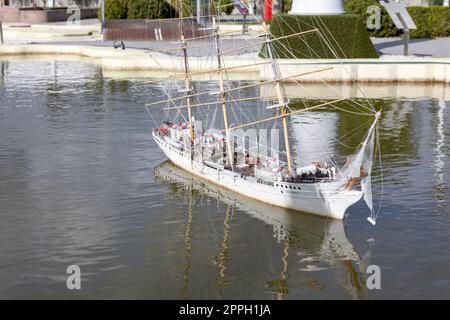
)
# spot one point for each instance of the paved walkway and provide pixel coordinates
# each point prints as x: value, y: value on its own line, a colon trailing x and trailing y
x: 438, y: 48
x: 88, y: 34
x: 199, y: 49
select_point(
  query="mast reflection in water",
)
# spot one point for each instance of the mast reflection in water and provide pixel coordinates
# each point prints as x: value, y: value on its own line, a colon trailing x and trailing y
x: 316, y: 242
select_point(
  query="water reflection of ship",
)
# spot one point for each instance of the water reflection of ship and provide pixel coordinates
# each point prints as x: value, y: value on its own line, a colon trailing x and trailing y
x: 319, y: 243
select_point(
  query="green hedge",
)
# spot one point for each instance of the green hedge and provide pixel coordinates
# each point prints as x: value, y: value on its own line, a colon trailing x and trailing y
x: 286, y: 6
x: 347, y: 30
x: 430, y: 21
x: 150, y: 9
x: 226, y: 6
x: 138, y: 9
x: 115, y: 9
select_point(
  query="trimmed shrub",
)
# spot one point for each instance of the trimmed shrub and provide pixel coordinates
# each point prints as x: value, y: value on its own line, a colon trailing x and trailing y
x: 138, y: 9
x: 226, y: 6
x: 115, y: 9
x: 286, y: 6
x: 359, y: 8
x: 430, y: 21
x: 346, y: 34
x: 150, y: 9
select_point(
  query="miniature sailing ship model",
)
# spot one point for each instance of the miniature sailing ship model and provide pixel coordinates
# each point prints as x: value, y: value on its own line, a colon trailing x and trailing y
x: 214, y: 155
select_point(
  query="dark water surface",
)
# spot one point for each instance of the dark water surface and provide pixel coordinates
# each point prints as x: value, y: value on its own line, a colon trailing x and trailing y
x: 82, y: 182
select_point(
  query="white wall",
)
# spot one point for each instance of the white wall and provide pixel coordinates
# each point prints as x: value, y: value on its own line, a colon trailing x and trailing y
x: 312, y: 7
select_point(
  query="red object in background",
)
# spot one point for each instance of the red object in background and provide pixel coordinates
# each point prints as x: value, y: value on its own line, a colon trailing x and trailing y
x: 268, y: 10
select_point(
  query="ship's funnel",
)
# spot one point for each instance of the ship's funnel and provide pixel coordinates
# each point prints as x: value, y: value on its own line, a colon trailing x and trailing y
x: 314, y: 7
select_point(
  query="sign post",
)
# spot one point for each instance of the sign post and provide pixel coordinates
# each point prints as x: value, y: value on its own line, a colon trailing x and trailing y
x: 244, y: 24
x: 1, y: 33
x: 241, y: 6
x: 402, y: 20
x: 405, y: 35
x: 198, y: 9
x: 103, y: 19
x: 405, y: 42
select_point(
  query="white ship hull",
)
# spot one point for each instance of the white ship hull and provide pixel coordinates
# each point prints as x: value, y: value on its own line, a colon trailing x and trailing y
x: 315, y: 198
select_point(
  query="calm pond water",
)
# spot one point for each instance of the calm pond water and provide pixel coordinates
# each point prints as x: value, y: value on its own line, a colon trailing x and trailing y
x: 82, y: 182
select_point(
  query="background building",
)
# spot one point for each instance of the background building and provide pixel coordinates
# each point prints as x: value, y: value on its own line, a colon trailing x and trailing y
x: 41, y: 11
x: 48, y: 3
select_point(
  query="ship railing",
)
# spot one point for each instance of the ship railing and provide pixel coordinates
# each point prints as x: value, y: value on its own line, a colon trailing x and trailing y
x: 262, y: 181
x: 299, y: 179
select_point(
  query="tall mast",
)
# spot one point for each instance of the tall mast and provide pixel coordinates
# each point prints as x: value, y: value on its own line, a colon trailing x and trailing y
x: 187, y: 78
x: 215, y: 30
x: 281, y: 98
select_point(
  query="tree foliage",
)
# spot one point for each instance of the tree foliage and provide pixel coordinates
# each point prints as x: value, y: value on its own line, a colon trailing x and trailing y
x: 139, y: 9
